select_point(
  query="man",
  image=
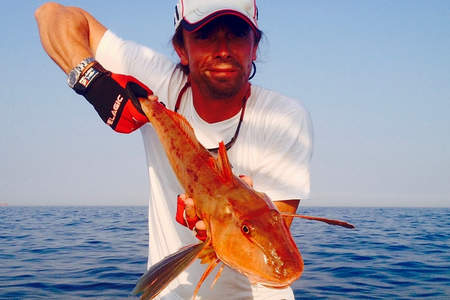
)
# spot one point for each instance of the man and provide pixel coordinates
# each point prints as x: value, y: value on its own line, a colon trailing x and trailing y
x: 268, y: 136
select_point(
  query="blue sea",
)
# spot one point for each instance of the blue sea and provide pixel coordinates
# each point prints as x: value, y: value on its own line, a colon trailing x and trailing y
x: 100, y: 252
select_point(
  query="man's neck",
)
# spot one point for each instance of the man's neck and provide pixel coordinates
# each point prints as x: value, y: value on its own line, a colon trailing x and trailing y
x: 214, y: 110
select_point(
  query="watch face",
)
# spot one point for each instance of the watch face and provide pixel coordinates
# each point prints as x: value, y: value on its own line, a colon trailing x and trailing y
x: 72, y: 79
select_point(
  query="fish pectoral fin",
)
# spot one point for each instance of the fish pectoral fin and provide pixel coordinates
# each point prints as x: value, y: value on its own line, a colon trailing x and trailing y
x: 208, y: 271
x: 223, y: 164
x: 163, y: 272
x: 207, y: 255
x: 328, y: 221
x: 222, y: 266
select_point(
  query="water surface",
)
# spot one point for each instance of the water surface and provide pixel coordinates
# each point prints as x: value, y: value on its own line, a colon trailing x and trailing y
x: 100, y: 252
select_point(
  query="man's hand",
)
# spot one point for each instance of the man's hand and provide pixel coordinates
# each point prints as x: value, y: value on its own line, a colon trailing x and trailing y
x: 114, y: 97
x: 187, y: 216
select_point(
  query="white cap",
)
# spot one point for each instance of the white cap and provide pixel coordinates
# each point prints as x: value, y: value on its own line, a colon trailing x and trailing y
x: 196, y: 13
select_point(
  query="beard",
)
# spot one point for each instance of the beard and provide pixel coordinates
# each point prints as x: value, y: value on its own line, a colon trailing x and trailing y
x: 222, y: 85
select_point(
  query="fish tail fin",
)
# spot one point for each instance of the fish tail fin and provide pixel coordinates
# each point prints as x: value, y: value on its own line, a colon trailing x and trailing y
x: 328, y: 221
x: 162, y: 273
x: 158, y: 114
x: 149, y: 106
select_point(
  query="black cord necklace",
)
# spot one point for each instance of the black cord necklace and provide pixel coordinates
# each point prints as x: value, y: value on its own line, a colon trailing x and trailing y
x: 233, y: 139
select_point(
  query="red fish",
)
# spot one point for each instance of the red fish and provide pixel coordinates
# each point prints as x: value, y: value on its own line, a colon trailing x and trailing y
x: 245, y: 230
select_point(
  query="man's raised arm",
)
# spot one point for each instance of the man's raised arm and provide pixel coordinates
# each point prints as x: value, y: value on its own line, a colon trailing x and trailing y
x: 68, y: 34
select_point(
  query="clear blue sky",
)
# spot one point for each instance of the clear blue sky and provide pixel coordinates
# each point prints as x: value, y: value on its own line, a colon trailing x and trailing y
x: 375, y: 76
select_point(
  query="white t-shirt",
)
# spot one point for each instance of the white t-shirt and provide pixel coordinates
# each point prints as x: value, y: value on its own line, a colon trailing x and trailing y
x: 274, y: 148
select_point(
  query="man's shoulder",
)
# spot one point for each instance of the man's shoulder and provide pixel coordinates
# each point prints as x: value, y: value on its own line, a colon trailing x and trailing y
x: 155, y: 70
x: 118, y: 53
x: 270, y: 100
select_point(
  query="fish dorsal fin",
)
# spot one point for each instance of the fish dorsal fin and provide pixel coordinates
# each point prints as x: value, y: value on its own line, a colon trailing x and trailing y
x: 223, y: 164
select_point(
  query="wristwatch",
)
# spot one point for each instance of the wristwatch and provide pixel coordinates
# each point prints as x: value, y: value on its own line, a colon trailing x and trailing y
x: 76, y: 72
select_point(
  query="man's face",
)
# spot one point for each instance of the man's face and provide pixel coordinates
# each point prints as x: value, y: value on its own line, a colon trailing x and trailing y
x: 219, y: 56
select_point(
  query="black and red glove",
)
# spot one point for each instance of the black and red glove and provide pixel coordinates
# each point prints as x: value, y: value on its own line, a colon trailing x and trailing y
x: 114, y: 97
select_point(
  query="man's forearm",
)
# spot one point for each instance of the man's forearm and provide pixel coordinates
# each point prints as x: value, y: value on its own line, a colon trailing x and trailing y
x: 68, y: 34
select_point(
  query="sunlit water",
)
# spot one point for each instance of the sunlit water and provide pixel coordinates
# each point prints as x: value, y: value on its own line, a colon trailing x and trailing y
x: 100, y: 252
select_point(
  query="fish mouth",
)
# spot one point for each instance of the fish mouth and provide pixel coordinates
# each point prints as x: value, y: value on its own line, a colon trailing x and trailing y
x: 275, y: 284
x: 270, y: 284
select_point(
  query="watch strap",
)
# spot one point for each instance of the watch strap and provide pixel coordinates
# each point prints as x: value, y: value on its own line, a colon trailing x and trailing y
x: 75, y: 73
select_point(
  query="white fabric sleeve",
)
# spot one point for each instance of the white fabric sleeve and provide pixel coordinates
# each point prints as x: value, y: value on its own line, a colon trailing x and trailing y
x: 153, y: 69
x: 284, y: 166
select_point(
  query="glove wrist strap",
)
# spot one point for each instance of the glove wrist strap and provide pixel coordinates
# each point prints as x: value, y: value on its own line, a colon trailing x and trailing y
x: 89, y: 74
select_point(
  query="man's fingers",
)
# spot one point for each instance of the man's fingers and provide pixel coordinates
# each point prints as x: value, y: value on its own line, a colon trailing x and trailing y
x: 144, y: 102
x: 190, y: 209
x: 200, y: 225
x: 179, y: 217
x: 149, y: 97
x: 200, y: 230
x: 187, y: 216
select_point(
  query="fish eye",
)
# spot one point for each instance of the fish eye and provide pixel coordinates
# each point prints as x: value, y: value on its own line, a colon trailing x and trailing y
x: 245, y: 229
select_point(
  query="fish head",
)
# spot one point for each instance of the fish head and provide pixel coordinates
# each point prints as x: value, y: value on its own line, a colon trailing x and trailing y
x: 257, y: 242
